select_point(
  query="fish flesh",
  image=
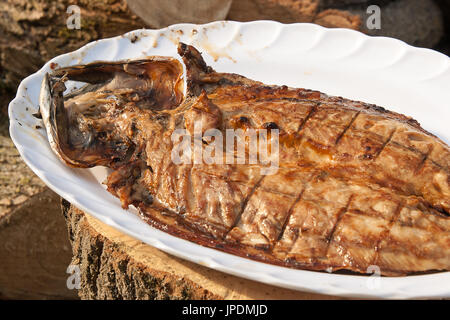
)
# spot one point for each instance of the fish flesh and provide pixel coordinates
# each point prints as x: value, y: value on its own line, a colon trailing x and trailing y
x: 354, y: 185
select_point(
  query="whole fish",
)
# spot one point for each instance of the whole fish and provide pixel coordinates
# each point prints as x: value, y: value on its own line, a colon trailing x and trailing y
x: 282, y: 175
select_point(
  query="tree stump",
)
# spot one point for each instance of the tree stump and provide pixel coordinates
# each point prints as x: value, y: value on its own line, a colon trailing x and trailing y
x: 113, y: 265
x: 34, y: 249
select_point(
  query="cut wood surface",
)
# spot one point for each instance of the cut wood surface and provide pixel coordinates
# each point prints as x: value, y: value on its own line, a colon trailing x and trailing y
x: 34, y: 250
x: 114, y: 265
x: 17, y: 183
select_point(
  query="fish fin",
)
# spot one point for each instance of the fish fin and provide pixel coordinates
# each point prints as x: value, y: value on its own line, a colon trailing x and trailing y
x: 196, y: 69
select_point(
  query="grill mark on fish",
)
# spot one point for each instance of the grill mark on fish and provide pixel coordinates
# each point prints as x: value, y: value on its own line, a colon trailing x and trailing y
x: 436, y: 211
x: 425, y: 158
x: 384, y: 145
x: 447, y: 170
x: 261, y: 233
x: 346, y: 128
x: 387, y: 231
x: 308, y: 116
x: 410, y: 148
x: 341, y: 214
x: 291, y: 209
x: 244, y: 205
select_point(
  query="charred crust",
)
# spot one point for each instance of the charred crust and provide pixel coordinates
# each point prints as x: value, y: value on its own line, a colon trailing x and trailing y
x: 378, y: 108
x: 37, y: 115
x: 193, y: 58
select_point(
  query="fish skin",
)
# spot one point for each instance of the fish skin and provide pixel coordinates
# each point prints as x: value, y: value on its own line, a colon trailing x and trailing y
x: 357, y: 185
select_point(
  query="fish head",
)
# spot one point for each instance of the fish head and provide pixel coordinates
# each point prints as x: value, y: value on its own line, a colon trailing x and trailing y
x: 82, y: 125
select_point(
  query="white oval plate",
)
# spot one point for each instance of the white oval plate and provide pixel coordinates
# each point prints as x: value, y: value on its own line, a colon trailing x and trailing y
x: 341, y: 62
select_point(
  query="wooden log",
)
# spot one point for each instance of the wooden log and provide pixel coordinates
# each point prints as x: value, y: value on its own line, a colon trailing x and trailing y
x: 115, y: 266
x: 162, y: 13
x: 286, y: 11
x: 34, y: 31
x: 290, y: 11
x: 333, y: 18
x: 34, y: 249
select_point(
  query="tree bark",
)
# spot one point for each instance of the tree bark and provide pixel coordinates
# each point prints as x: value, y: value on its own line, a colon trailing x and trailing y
x: 34, y: 31
x: 115, y: 266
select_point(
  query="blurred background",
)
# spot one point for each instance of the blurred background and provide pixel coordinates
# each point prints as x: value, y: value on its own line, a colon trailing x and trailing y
x: 34, y: 246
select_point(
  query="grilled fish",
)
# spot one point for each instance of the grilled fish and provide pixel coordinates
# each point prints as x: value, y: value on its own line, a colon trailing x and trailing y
x: 354, y: 186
